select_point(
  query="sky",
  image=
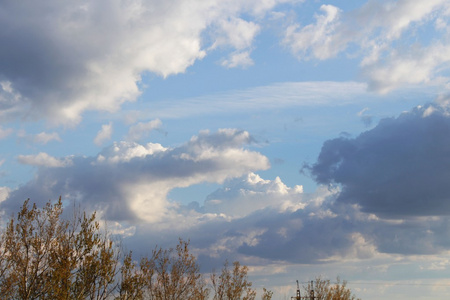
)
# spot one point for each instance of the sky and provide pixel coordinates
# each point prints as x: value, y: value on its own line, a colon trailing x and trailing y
x: 302, y: 138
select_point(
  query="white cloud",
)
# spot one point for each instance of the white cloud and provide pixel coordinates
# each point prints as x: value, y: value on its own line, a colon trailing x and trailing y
x: 40, y: 138
x: 387, y: 35
x: 318, y: 38
x: 5, y: 132
x: 399, y: 68
x: 361, y: 113
x: 245, y: 195
x: 104, y: 134
x: 274, y: 96
x: 250, y: 218
x: 88, y: 55
x: 238, y: 34
x: 140, y: 130
x: 10, y: 101
x: 235, y: 32
x: 395, y: 17
x: 44, y: 138
x: 4, y: 193
x: 126, y: 151
x: 44, y: 160
x: 129, y: 181
x: 241, y: 59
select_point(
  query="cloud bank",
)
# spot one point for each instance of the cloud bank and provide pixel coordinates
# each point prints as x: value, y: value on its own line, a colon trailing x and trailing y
x: 389, y: 37
x: 370, y: 202
x: 129, y: 181
x: 399, y: 168
x: 60, y: 59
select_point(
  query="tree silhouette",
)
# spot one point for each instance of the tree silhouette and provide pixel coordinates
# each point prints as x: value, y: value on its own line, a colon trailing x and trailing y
x: 232, y: 284
x: 325, y: 290
x: 44, y: 256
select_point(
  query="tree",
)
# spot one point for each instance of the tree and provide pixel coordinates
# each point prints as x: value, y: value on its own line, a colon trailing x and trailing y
x: 132, y: 286
x: 46, y: 257
x: 232, y: 284
x: 325, y: 290
x: 43, y: 256
x: 267, y: 294
x: 168, y: 274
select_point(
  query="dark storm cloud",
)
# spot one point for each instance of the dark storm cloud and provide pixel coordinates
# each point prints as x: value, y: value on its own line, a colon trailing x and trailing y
x: 315, y: 240
x: 399, y: 168
x: 335, y: 232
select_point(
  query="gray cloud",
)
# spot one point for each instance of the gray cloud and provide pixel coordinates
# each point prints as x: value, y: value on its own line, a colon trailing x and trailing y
x: 129, y: 181
x: 59, y: 59
x: 399, y: 168
x: 256, y: 220
x: 249, y: 219
x: 321, y: 231
x: 318, y: 240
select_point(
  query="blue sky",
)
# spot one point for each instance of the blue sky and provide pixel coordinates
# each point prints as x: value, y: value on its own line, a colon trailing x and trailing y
x: 302, y: 138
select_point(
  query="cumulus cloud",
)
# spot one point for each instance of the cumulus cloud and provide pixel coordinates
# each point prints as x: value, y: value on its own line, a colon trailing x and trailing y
x: 243, y: 196
x: 249, y: 218
x: 385, y: 192
x: 241, y: 59
x: 398, y: 168
x: 238, y: 34
x: 62, y: 58
x: 419, y: 65
x: 316, y: 228
x: 252, y: 219
x: 129, y: 181
x: 376, y: 29
x: 44, y: 160
x: 104, y: 134
x: 316, y: 38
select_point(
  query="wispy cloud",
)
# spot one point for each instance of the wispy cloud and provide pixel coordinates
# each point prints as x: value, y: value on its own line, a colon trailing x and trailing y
x: 273, y: 96
x: 39, y: 138
x: 5, y: 132
x: 44, y: 160
x: 104, y: 134
x: 141, y: 129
